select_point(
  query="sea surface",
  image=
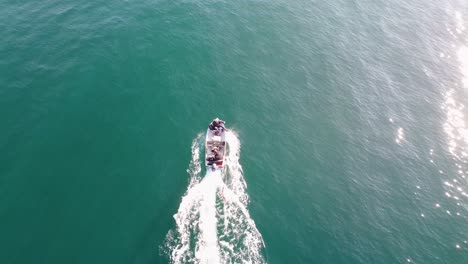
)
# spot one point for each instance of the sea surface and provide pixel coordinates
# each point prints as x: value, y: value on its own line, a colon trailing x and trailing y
x: 348, y: 140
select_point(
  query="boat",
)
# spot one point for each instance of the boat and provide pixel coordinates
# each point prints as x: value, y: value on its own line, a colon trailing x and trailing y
x: 215, y: 148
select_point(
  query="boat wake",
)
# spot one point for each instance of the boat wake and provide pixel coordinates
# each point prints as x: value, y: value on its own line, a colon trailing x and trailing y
x: 213, y: 224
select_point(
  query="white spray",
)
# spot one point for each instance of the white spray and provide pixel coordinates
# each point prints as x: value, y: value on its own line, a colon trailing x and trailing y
x: 213, y: 224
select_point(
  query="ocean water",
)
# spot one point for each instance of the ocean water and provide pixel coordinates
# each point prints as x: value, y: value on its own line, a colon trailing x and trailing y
x: 348, y: 141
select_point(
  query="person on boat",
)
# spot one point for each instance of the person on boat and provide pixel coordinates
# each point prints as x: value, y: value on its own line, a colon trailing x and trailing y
x: 211, y: 159
x: 217, y: 125
x: 216, y: 154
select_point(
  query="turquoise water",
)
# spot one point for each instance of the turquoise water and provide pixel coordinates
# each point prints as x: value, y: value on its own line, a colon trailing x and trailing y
x: 351, y: 120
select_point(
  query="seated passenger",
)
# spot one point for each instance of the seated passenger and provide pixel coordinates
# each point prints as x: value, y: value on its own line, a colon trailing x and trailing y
x: 211, y: 159
x: 218, y: 156
x: 216, y: 153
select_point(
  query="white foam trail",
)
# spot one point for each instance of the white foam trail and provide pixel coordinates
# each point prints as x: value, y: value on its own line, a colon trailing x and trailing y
x: 213, y: 224
x: 194, y: 169
x: 208, y: 251
x: 235, y: 175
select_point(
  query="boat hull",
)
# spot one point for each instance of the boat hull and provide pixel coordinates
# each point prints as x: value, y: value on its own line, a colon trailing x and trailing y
x: 215, y: 149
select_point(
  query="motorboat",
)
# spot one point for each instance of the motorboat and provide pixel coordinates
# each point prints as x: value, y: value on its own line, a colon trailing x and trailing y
x: 215, y: 147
